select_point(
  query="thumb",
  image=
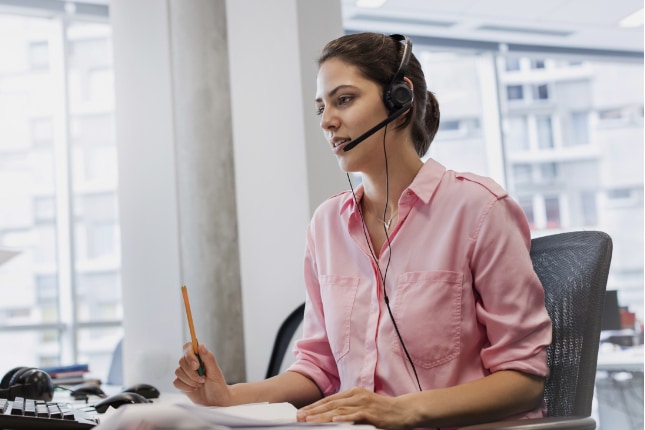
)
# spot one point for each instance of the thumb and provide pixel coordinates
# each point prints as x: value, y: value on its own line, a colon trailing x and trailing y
x: 209, y: 364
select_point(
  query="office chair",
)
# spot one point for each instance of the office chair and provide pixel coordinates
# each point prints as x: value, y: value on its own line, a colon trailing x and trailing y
x: 573, y: 268
x: 283, y: 339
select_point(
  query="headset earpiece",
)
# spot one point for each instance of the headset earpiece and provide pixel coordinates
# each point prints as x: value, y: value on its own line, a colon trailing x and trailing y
x: 27, y: 382
x: 399, y: 94
x: 7, y: 378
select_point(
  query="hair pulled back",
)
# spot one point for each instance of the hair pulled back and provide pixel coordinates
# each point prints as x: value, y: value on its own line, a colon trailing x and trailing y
x: 378, y: 57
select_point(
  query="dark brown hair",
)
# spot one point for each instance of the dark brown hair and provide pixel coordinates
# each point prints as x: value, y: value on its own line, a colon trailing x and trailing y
x: 378, y: 57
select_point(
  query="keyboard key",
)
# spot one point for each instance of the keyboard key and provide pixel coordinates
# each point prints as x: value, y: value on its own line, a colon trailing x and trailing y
x: 30, y: 414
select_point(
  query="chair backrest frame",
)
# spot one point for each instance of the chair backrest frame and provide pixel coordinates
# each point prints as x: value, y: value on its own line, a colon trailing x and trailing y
x: 573, y: 268
x: 283, y: 339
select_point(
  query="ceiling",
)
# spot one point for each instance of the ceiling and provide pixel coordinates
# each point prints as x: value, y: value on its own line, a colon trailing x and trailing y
x: 567, y: 25
x: 570, y: 27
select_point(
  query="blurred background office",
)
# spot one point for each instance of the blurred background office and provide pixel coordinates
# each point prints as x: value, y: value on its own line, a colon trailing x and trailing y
x: 147, y: 144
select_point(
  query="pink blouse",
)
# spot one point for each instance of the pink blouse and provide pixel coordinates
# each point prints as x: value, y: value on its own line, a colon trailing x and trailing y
x: 460, y: 283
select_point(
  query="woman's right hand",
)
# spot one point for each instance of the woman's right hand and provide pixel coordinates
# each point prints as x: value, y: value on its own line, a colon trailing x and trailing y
x: 210, y: 389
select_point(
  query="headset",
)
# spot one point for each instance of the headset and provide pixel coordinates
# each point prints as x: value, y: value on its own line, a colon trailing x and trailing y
x: 397, y: 96
x: 27, y: 382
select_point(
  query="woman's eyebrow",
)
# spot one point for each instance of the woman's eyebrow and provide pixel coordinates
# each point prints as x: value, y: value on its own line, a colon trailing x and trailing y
x: 334, y: 91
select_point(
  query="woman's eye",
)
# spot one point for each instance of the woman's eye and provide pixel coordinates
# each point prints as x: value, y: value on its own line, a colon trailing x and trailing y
x: 344, y: 100
x: 320, y: 110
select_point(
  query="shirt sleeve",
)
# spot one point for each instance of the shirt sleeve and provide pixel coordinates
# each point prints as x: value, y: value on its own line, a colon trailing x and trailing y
x: 314, y: 358
x: 511, y: 306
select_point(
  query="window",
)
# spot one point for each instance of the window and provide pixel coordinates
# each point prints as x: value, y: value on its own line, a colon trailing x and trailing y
x: 38, y: 55
x: 58, y: 186
x: 526, y: 203
x: 449, y: 126
x: 589, y: 208
x: 522, y: 173
x: 540, y: 92
x: 517, y: 135
x: 552, y: 210
x: 579, y: 129
x: 621, y: 115
x: 544, y: 132
x: 514, y: 92
x: 559, y: 184
x: 548, y: 171
x: 512, y: 64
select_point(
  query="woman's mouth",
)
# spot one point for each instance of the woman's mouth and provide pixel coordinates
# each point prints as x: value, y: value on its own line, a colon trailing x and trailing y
x: 338, y: 142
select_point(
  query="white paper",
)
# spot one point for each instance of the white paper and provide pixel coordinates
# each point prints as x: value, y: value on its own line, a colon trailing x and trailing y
x: 250, y: 415
x: 187, y: 416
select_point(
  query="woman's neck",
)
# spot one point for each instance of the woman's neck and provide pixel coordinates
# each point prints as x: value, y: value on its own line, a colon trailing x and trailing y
x: 379, y: 188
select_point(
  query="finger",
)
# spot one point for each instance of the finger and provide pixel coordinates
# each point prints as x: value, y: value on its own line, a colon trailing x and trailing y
x: 321, y: 411
x: 190, y: 356
x: 182, y: 386
x: 355, y: 417
x: 212, y: 370
x: 188, y: 376
x: 326, y: 404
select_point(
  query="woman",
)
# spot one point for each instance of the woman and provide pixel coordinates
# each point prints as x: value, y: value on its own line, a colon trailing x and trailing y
x: 422, y: 309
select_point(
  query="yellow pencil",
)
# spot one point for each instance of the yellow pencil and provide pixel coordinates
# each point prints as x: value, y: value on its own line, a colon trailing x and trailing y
x: 191, y: 327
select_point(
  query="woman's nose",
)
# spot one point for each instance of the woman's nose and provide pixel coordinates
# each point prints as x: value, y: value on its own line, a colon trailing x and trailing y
x: 328, y: 120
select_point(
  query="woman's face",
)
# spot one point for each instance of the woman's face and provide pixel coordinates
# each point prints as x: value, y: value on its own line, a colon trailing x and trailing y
x: 349, y: 105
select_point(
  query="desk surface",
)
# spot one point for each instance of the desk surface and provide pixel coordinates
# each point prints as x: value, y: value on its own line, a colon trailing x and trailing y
x: 627, y: 359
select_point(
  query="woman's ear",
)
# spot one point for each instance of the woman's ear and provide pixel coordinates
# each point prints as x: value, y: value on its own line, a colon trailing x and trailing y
x: 408, y: 83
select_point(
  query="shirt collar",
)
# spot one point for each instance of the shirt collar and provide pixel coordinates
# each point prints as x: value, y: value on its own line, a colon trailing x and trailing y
x: 423, y: 185
x: 427, y: 180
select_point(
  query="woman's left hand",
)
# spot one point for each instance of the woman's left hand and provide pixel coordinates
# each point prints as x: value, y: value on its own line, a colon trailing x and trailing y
x: 360, y: 406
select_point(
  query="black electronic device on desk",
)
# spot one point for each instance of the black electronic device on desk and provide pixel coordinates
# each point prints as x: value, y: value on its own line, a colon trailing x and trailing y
x: 32, y: 414
x: 27, y: 402
x: 119, y: 399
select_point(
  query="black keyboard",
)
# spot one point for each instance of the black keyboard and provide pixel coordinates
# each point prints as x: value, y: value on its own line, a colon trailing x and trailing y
x: 29, y: 414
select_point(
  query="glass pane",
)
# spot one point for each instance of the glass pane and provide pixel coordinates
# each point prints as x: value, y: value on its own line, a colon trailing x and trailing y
x: 526, y: 203
x: 517, y: 135
x: 544, y: 132
x: 573, y: 163
x: 40, y: 138
x: 578, y: 129
x: 522, y: 173
x: 459, y: 141
x: 28, y: 108
x: 552, y: 208
x: 512, y: 64
x: 514, y: 92
x: 94, y: 175
x: 589, y: 208
x: 540, y: 92
x: 38, y: 348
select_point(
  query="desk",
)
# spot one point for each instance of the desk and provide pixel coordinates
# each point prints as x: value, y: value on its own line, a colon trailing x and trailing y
x: 619, y: 388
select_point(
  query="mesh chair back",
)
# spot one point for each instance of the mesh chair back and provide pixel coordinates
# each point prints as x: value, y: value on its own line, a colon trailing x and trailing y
x: 573, y: 268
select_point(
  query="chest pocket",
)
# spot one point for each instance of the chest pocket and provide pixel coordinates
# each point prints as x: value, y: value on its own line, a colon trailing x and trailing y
x: 338, y: 295
x: 427, y: 310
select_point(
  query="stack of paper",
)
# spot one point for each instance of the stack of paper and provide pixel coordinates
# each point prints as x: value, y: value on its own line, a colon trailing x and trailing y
x: 189, y: 416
